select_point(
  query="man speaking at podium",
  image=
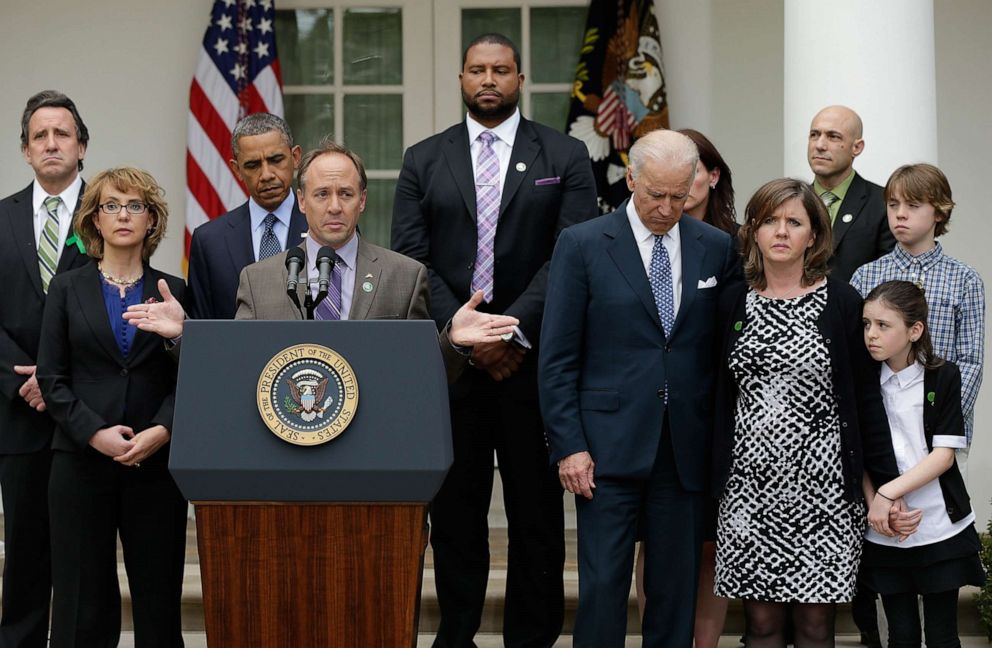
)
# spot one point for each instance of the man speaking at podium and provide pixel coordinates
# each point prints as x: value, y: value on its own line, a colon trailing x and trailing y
x: 363, y: 281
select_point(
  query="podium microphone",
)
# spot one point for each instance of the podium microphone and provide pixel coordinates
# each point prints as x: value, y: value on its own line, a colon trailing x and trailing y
x: 326, y: 258
x: 294, y: 263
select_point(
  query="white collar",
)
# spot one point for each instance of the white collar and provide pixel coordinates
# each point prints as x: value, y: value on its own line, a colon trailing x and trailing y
x: 506, y: 130
x: 284, y: 212
x: 69, y: 195
x: 905, y: 377
x: 641, y: 232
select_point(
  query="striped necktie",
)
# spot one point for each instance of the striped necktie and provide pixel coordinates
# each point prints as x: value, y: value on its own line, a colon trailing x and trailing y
x: 330, y: 307
x: 48, y: 244
x: 829, y: 198
x: 487, y: 196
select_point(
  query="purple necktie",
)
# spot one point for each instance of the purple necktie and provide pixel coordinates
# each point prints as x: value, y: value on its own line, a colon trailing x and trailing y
x: 487, y: 210
x: 330, y: 307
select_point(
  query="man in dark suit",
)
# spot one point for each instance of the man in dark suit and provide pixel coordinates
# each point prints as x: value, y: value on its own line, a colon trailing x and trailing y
x: 857, y: 207
x: 268, y: 223
x: 36, y: 242
x: 627, y: 369
x: 481, y: 205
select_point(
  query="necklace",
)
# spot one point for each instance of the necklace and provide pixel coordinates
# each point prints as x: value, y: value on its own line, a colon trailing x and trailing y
x: 123, y: 283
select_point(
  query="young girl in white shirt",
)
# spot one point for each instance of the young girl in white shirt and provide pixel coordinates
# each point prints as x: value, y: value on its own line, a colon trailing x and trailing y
x: 921, y: 539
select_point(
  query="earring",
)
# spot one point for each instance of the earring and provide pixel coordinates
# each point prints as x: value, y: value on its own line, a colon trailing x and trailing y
x: 712, y: 185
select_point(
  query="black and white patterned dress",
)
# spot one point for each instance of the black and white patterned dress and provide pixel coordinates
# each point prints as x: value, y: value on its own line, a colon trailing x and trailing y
x: 785, y: 531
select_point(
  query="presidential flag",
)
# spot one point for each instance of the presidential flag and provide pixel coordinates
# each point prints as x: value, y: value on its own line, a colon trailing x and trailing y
x: 237, y: 74
x: 619, y: 90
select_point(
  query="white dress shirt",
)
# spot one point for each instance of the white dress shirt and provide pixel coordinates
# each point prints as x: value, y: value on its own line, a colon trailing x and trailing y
x: 347, y: 260
x: 902, y: 393
x: 506, y: 134
x: 69, y: 196
x: 672, y: 241
x: 280, y: 228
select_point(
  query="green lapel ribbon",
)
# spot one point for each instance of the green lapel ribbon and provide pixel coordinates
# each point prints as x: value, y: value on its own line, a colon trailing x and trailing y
x: 738, y: 325
x: 931, y: 396
x: 78, y: 242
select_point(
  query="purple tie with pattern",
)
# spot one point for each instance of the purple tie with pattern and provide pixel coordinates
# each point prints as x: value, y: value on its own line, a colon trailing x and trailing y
x: 330, y: 307
x: 487, y: 196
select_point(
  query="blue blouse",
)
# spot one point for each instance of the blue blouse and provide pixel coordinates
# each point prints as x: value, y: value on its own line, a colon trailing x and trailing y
x: 116, y: 305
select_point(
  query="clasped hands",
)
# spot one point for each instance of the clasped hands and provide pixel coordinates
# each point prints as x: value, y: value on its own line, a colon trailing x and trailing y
x: 125, y: 447
x: 892, y: 518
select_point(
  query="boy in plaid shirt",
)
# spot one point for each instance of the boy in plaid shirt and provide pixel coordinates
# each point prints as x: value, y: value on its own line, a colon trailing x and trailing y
x: 918, y: 201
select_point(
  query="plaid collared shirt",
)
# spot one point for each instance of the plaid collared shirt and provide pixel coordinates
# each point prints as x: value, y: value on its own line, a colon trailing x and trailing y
x: 956, y: 299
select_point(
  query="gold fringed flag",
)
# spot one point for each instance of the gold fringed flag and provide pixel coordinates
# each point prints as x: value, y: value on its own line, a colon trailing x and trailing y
x: 619, y: 89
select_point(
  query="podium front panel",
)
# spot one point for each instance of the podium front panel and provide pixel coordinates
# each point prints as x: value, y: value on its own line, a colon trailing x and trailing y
x: 397, y: 447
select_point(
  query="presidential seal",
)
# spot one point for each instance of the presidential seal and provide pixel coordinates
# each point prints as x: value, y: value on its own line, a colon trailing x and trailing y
x: 307, y: 394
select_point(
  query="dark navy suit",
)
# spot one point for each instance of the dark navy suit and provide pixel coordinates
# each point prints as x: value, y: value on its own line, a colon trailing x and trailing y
x: 606, y: 371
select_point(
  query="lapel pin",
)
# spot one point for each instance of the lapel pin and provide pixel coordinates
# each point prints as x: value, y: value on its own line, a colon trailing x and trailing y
x: 521, y: 167
x: 738, y: 325
x: 368, y: 275
x: 367, y: 286
x: 847, y: 218
x: 931, y: 396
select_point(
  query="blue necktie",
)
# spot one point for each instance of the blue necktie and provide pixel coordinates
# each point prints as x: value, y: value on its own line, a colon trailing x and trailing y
x: 661, y: 284
x: 269, y: 245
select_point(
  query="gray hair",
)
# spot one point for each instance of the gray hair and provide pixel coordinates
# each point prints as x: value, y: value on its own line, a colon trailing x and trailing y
x: 259, y: 124
x: 668, y: 147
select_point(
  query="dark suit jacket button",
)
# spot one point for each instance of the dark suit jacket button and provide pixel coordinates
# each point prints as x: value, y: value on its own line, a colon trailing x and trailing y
x: 668, y: 348
x: 844, y: 424
x: 123, y: 372
x: 827, y: 340
x: 850, y: 453
x: 661, y: 393
x: 950, y: 510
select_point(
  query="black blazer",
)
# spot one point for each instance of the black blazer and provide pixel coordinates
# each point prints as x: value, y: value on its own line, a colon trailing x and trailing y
x: 866, y: 236
x: 942, y: 417
x: 86, y: 382
x: 434, y: 221
x: 218, y: 252
x: 22, y: 303
x: 866, y: 443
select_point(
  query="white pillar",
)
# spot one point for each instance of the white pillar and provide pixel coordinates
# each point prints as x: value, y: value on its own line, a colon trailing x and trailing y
x: 875, y: 57
x: 686, y: 28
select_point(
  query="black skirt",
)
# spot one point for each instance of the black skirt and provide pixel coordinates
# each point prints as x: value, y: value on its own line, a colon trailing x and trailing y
x: 939, y: 567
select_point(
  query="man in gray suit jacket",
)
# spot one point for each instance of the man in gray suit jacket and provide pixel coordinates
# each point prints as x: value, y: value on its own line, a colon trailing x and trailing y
x: 368, y: 281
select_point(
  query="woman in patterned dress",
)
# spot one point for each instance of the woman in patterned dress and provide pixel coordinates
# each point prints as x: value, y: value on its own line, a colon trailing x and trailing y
x: 799, y: 418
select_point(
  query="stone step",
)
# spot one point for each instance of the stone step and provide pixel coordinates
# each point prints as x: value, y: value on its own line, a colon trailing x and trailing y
x: 968, y: 619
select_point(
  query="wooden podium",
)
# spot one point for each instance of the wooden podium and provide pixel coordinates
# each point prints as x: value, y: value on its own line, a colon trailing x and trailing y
x: 318, y: 545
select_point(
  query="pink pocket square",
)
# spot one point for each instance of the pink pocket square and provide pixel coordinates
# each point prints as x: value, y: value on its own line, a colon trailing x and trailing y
x: 544, y: 182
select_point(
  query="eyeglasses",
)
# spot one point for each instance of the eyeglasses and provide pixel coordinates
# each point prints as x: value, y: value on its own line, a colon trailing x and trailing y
x: 134, y: 208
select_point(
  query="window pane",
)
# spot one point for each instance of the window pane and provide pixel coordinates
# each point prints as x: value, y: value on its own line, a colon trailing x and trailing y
x: 373, y: 128
x: 476, y: 22
x: 311, y: 117
x: 373, y: 46
x: 305, y: 39
x: 555, y: 32
x: 550, y: 109
x: 378, y: 215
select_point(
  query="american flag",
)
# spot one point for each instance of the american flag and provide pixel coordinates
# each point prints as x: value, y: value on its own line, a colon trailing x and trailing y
x: 237, y: 74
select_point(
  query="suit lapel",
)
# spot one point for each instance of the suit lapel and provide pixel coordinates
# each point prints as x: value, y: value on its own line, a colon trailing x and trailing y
x: 89, y: 294
x: 238, y: 239
x: 526, y: 146
x: 368, y: 270
x: 22, y: 229
x: 297, y: 226
x: 693, y: 254
x: 144, y: 342
x: 459, y: 159
x: 70, y: 257
x: 624, y: 253
x: 854, y: 201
